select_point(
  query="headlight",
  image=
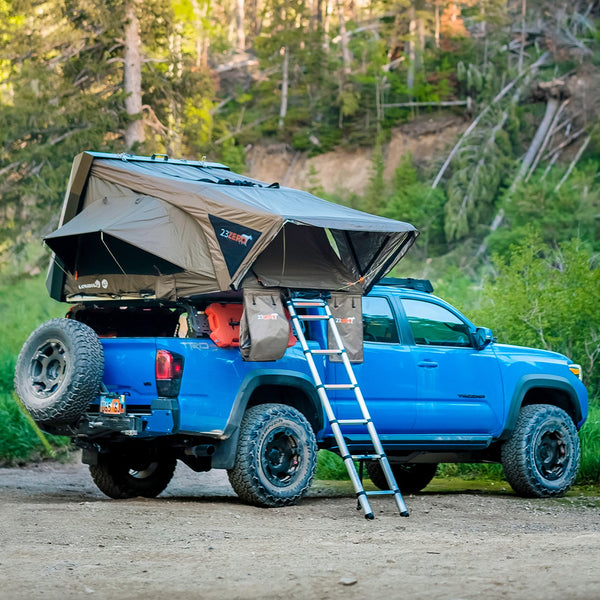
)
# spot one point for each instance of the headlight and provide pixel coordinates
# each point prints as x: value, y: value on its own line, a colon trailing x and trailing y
x: 576, y: 370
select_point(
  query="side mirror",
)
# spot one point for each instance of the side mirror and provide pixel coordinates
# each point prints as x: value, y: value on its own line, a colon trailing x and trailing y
x: 482, y: 337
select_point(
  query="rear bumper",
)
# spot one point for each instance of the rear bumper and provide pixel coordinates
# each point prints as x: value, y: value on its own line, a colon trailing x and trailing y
x: 159, y: 421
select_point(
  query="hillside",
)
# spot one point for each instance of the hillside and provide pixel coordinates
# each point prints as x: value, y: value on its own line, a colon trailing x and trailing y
x: 343, y: 170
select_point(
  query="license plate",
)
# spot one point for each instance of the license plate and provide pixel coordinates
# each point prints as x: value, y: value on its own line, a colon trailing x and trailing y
x: 112, y: 405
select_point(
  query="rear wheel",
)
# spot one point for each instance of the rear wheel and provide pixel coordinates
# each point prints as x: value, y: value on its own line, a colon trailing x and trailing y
x: 409, y: 477
x: 121, y: 477
x: 541, y: 459
x: 276, y: 456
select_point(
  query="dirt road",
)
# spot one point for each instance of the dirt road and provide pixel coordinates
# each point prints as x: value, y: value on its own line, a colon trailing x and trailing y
x: 61, y: 539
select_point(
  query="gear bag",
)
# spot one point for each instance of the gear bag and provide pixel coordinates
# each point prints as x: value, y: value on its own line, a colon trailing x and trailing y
x: 265, y: 331
x: 347, y: 312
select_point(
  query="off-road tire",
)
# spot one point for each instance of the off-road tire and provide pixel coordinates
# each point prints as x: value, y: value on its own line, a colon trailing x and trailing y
x: 120, y: 477
x: 59, y: 370
x: 276, y: 456
x: 541, y: 458
x: 410, y: 478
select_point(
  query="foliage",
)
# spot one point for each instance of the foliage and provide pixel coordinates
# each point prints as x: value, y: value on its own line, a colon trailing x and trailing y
x: 415, y: 201
x: 571, y: 212
x: 24, y: 305
x: 548, y: 297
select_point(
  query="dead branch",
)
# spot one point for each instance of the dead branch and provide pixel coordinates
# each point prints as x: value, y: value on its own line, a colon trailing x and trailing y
x: 9, y: 168
x: 153, y: 120
x: 539, y: 137
x: 540, y: 61
x: 568, y: 141
x: 247, y: 126
x: 551, y: 132
x: 64, y: 136
x: 416, y: 104
x: 574, y: 162
x: 549, y: 166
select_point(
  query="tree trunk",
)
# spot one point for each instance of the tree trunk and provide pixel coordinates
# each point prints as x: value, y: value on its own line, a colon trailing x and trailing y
x: 284, y: 86
x: 327, y: 9
x: 344, y: 38
x: 437, y: 25
x: 523, y: 37
x: 175, y: 72
x: 132, y: 75
x: 239, y: 22
x: 200, y: 13
x: 410, y: 47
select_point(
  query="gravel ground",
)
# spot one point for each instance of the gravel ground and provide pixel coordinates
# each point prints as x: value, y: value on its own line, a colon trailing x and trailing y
x: 61, y: 538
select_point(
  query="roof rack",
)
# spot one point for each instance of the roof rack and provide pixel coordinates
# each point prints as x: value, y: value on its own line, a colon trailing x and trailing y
x: 421, y: 285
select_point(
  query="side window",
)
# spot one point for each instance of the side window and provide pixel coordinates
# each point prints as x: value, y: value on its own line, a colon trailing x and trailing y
x: 434, y: 325
x: 378, y: 321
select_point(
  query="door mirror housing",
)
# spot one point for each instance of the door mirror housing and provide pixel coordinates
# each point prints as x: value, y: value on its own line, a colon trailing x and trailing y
x: 482, y: 336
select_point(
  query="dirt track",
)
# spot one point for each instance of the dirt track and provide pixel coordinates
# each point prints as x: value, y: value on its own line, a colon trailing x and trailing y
x: 60, y: 538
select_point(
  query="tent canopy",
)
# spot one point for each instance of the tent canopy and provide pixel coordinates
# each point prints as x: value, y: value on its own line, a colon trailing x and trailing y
x: 140, y: 227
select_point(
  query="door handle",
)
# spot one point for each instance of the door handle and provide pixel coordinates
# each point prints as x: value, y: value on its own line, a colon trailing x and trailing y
x: 427, y: 364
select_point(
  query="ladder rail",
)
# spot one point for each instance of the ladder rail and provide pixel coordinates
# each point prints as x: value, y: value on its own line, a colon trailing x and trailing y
x: 334, y: 422
x: 337, y: 432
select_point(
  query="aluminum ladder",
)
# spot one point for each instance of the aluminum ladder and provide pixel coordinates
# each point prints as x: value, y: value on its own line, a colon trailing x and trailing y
x: 324, y: 314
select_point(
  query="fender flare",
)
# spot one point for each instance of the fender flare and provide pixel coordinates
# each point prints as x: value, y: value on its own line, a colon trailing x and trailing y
x: 530, y: 382
x: 224, y: 455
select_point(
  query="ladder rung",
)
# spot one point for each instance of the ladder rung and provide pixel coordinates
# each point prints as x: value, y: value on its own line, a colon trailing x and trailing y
x: 308, y: 303
x: 366, y: 456
x: 353, y: 421
x: 337, y: 351
x: 313, y: 317
x: 339, y: 386
x: 380, y: 492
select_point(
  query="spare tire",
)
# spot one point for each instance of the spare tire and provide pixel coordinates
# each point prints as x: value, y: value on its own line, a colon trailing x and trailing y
x: 59, y: 370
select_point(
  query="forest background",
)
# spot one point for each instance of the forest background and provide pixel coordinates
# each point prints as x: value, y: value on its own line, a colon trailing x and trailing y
x: 509, y: 212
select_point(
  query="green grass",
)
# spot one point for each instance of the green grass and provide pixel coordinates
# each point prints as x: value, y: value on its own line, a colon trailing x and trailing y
x: 23, y: 306
x: 589, y: 471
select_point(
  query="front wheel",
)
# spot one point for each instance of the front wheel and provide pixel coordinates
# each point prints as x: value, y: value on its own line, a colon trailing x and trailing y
x: 276, y: 456
x: 541, y: 459
x: 410, y: 477
x: 121, y: 477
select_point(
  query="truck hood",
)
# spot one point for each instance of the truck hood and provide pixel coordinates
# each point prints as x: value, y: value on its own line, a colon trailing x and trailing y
x: 530, y: 354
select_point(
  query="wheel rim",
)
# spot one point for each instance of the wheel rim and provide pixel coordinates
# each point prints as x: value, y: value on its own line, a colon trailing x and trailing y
x: 48, y: 367
x: 551, y: 454
x: 281, y: 456
x: 143, y: 472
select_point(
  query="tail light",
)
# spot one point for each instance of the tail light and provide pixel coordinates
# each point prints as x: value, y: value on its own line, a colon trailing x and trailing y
x: 169, y: 370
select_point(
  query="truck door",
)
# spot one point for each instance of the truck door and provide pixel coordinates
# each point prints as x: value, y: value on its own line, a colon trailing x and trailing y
x: 386, y: 377
x: 459, y: 389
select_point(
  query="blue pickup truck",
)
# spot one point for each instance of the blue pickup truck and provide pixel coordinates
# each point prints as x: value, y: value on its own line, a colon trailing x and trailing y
x: 137, y: 388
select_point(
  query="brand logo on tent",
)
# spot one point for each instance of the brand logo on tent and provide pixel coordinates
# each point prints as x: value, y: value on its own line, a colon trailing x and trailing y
x: 235, y: 241
x: 95, y: 284
x: 240, y: 238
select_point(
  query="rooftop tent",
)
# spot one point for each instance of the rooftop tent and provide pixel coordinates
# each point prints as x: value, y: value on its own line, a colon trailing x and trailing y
x: 140, y: 227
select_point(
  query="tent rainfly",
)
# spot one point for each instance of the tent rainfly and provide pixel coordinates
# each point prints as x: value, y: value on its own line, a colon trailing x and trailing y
x: 140, y: 227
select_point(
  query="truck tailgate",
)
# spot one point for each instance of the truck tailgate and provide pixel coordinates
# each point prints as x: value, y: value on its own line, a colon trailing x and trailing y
x: 129, y: 368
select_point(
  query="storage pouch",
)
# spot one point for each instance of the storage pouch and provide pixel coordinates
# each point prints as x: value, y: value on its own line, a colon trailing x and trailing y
x: 265, y: 331
x: 347, y: 313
